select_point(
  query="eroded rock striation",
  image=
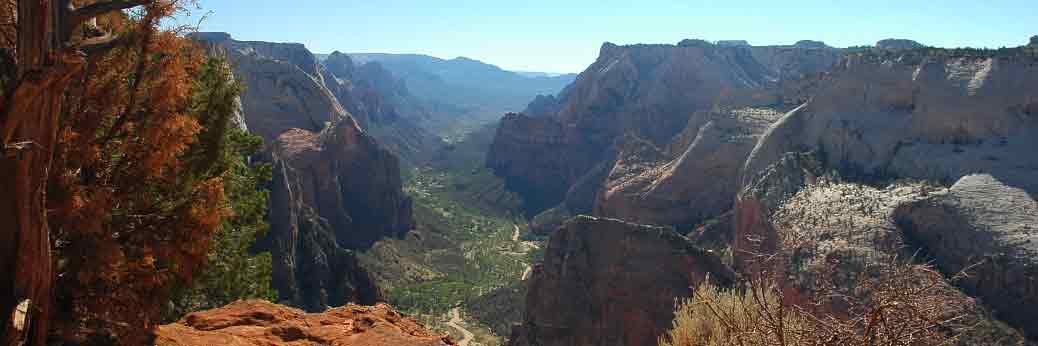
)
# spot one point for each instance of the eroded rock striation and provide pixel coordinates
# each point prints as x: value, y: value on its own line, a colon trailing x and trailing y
x: 990, y: 230
x: 665, y: 96
x: 917, y: 115
x: 609, y: 282
x: 646, y: 186
x: 335, y: 188
x: 820, y: 237
x: 383, y: 106
x: 260, y: 323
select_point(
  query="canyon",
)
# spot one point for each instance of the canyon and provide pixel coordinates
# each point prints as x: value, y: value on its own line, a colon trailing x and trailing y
x: 658, y: 169
x: 786, y: 159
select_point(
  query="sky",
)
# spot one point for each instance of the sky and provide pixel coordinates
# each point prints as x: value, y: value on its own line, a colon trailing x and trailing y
x: 565, y: 35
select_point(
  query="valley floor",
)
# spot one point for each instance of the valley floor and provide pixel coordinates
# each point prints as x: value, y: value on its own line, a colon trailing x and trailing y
x: 460, y: 270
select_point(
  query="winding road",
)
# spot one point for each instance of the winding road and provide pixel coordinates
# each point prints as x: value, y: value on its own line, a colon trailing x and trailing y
x: 455, y: 323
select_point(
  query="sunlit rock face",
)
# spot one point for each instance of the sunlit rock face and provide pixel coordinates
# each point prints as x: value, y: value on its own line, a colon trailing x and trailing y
x: 920, y: 116
x: 335, y: 188
x: 260, y: 323
x: 989, y: 229
x: 663, y: 96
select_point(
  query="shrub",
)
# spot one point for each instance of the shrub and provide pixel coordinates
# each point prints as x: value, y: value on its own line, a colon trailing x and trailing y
x: 898, y: 304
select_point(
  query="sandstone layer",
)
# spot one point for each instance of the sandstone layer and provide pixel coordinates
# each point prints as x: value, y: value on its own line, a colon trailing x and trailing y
x: 335, y: 188
x: 259, y: 323
x: 821, y: 238
x: 989, y: 230
x: 608, y: 282
x: 917, y: 115
x: 645, y: 186
x: 665, y: 96
x: 383, y: 106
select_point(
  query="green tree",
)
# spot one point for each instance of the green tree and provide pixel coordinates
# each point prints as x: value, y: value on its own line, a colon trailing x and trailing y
x: 234, y: 271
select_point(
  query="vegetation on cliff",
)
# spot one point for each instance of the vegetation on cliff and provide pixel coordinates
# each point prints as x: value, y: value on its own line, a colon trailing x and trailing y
x: 123, y: 124
x: 233, y: 272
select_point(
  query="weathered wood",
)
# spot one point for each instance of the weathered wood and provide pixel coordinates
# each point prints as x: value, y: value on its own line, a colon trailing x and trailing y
x: 29, y: 129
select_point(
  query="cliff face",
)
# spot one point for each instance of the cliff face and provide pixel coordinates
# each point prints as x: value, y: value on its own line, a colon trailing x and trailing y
x: 918, y: 116
x: 334, y: 189
x: 259, y: 323
x: 284, y: 87
x: 649, y: 91
x: 694, y: 110
x: 646, y: 186
x: 608, y: 282
x: 383, y: 106
x: 989, y: 229
x: 902, y: 113
x: 819, y: 237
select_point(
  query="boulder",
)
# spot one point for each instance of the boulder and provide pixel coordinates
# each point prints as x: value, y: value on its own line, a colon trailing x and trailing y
x: 609, y: 282
x: 989, y: 230
x: 260, y: 323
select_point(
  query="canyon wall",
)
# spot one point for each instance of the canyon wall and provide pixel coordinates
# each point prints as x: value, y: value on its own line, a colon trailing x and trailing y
x: 335, y: 188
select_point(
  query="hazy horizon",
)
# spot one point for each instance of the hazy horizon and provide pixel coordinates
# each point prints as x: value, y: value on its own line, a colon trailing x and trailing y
x: 551, y: 37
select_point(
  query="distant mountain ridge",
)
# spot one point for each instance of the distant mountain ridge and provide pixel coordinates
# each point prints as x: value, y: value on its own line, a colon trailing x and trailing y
x: 475, y: 92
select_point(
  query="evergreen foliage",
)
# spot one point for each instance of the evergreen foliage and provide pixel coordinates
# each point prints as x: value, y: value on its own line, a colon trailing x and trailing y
x: 233, y: 272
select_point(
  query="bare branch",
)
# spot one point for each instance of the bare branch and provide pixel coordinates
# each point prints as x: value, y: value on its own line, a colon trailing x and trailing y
x: 81, y: 15
x: 101, y: 45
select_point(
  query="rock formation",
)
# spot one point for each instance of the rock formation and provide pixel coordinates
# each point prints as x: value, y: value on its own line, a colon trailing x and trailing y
x: 608, y: 282
x: 697, y: 184
x: 990, y: 230
x: 648, y: 90
x: 259, y: 323
x: 806, y: 141
x: 689, y: 99
x: 334, y: 189
x: 817, y: 236
x: 383, y: 106
x: 919, y: 116
x: 896, y: 44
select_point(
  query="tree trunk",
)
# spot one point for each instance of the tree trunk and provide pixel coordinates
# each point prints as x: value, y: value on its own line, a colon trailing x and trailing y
x: 29, y: 125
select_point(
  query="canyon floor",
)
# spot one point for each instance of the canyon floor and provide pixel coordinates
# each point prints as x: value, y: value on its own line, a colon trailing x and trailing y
x: 460, y: 271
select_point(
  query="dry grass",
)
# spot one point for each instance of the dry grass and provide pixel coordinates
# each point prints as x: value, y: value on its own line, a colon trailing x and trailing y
x: 894, y: 305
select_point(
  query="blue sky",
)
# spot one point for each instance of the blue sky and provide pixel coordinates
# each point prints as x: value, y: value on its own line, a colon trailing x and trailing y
x: 564, y: 36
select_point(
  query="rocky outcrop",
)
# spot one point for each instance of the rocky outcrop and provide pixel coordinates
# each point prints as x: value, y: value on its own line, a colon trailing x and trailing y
x: 284, y: 86
x: 334, y: 189
x: 818, y: 237
x: 650, y: 92
x: 528, y: 152
x: 259, y: 323
x: 990, y: 230
x: 697, y: 184
x: 608, y: 282
x: 1033, y: 42
x: 383, y: 106
x: 896, y: 44
x: 542, y: 106
x: 919, y: 116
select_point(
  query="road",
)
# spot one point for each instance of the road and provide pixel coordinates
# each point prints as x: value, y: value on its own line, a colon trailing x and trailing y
x: 515, y: 234
x: 455, y: 323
